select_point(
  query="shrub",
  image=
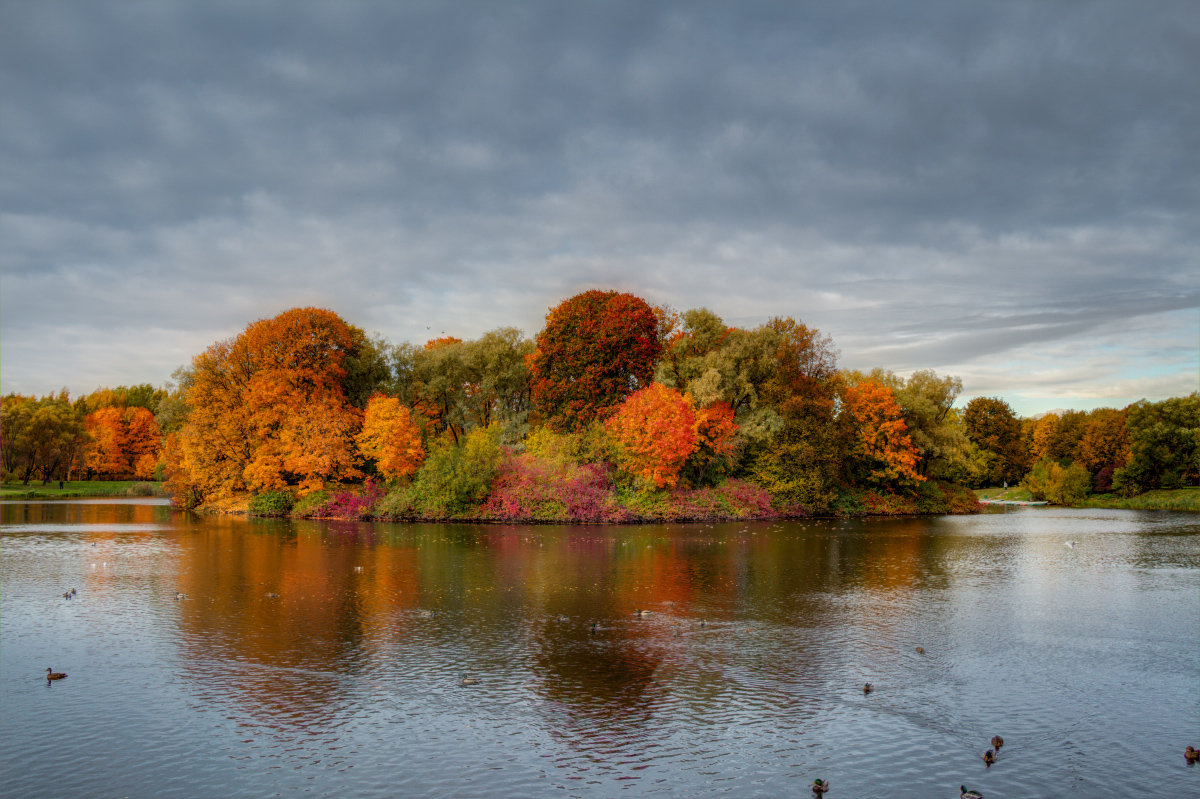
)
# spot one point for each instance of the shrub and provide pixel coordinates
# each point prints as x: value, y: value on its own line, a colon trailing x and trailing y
x: 351, y: 504
x: 528, y: 488
x: 142, y: 490
x: 1056, y: 484
x: 455, y: 479
x: 271, y: 503
x: 310, y: 504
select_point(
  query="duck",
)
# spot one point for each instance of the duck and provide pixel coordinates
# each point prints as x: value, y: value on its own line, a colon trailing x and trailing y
x: 595, y: 627
x: 965, y: 794
x: 179, y: 596
x: 465, y: 681
x: 51, y: 674
x: 272, y: 595
x: 640, y: 613
x: 819, y: 787
x: 868, y: 688
x: 1191, y: 755
x: 66, y: 594
x: 920, y: 650
x: 997, y: 742
x: 989, y: 757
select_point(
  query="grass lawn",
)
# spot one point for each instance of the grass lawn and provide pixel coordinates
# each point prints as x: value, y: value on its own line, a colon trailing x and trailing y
x: 1013, y: 493
x: 1176, y: 499
x: 80, y: 488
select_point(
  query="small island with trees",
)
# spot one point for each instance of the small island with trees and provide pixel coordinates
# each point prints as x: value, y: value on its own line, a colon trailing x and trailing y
x: 617, y: 411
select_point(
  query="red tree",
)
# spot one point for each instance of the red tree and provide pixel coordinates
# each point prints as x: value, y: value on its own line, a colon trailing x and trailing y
x: 598, y: 347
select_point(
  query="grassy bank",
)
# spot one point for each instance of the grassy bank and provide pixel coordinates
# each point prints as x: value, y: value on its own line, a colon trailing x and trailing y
x: 74, y: 489
x: 1177, y: 499
x: 567, y: 500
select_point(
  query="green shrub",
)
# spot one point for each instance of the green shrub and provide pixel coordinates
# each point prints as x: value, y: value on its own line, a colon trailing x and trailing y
x: 1057, y: 484
x: 271, y: 503
x: 309, y: 504
x: 455, y: 479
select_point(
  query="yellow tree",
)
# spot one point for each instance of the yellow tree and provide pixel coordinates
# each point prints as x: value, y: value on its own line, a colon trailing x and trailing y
x: 391, y: 437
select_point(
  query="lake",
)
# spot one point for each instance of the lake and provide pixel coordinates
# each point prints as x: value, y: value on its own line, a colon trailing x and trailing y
x: 231, y: 657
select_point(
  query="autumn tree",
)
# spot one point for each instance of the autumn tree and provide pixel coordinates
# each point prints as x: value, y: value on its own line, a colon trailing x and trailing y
x: 991, y: 424
x: 390, y: 437
x: 269, y: 409
x: 597, y: 348
x: 655, y: 431
x: 882, y: 453
x: 106, y: 455
x: 125, y: 442
x: 1105, y: 440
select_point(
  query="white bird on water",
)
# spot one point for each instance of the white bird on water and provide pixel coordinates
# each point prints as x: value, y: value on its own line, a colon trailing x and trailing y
x: 1069, y: 545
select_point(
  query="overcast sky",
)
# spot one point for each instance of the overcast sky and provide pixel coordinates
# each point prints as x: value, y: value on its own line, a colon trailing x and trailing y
x: 1008, y: 192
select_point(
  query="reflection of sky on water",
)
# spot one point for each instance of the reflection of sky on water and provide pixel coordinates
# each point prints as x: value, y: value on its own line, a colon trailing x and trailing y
x: 312, y: 648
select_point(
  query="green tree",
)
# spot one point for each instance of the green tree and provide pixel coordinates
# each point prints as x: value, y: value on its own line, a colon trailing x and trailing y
x: 1162, y: 445
x: 992, y: 426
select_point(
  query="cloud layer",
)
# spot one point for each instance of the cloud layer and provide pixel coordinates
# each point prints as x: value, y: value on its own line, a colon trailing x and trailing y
x: 1003, y: 191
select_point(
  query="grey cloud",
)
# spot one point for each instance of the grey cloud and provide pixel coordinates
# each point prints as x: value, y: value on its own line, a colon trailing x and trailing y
x: 929, y: 182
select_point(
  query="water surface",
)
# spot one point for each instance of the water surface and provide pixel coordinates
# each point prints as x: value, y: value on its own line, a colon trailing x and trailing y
x: 232, y: 657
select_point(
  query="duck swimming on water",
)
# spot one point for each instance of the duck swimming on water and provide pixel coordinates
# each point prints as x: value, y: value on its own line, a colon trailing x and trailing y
x: 989, y: 758
x: 997, y: 742
x: 1191, y: 755
x: 965, y: 794
x: 868, y: 688
x: 819, y: 787
x: 51, y: 674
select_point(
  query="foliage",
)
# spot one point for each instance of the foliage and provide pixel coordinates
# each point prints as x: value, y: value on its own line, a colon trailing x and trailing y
x: 1104, y: 445
x: 348, y: 503
x: 456, y: 479
x: 125, y: 442
x: 991, y: 425
x: 597, y: 348
x: 1163, y: 445
x: 391, y: 437
x: 268, y: 409
x: 799, y: 472
x: 310, y: 504
x: 882, y: 453
x: 1061, y: 485
x: 527, y: 488
x: 272, y: 503
x: 41, y: 437
x: 655, y: 430
x: 717, y: 444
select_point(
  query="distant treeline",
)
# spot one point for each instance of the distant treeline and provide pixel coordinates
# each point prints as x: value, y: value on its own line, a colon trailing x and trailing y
x: 616, y: 409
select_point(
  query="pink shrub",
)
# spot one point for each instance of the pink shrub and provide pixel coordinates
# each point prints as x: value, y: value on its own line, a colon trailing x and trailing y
x: 528, y: 489
x: 351, y: 504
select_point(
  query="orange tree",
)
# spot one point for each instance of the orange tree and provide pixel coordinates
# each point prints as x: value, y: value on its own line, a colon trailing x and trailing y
x: 268, y: 409
x: 882, y: 453
x: 655, y: 431
x: 597, y: 348
x: 391, y: 437
x: 125, y: 441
